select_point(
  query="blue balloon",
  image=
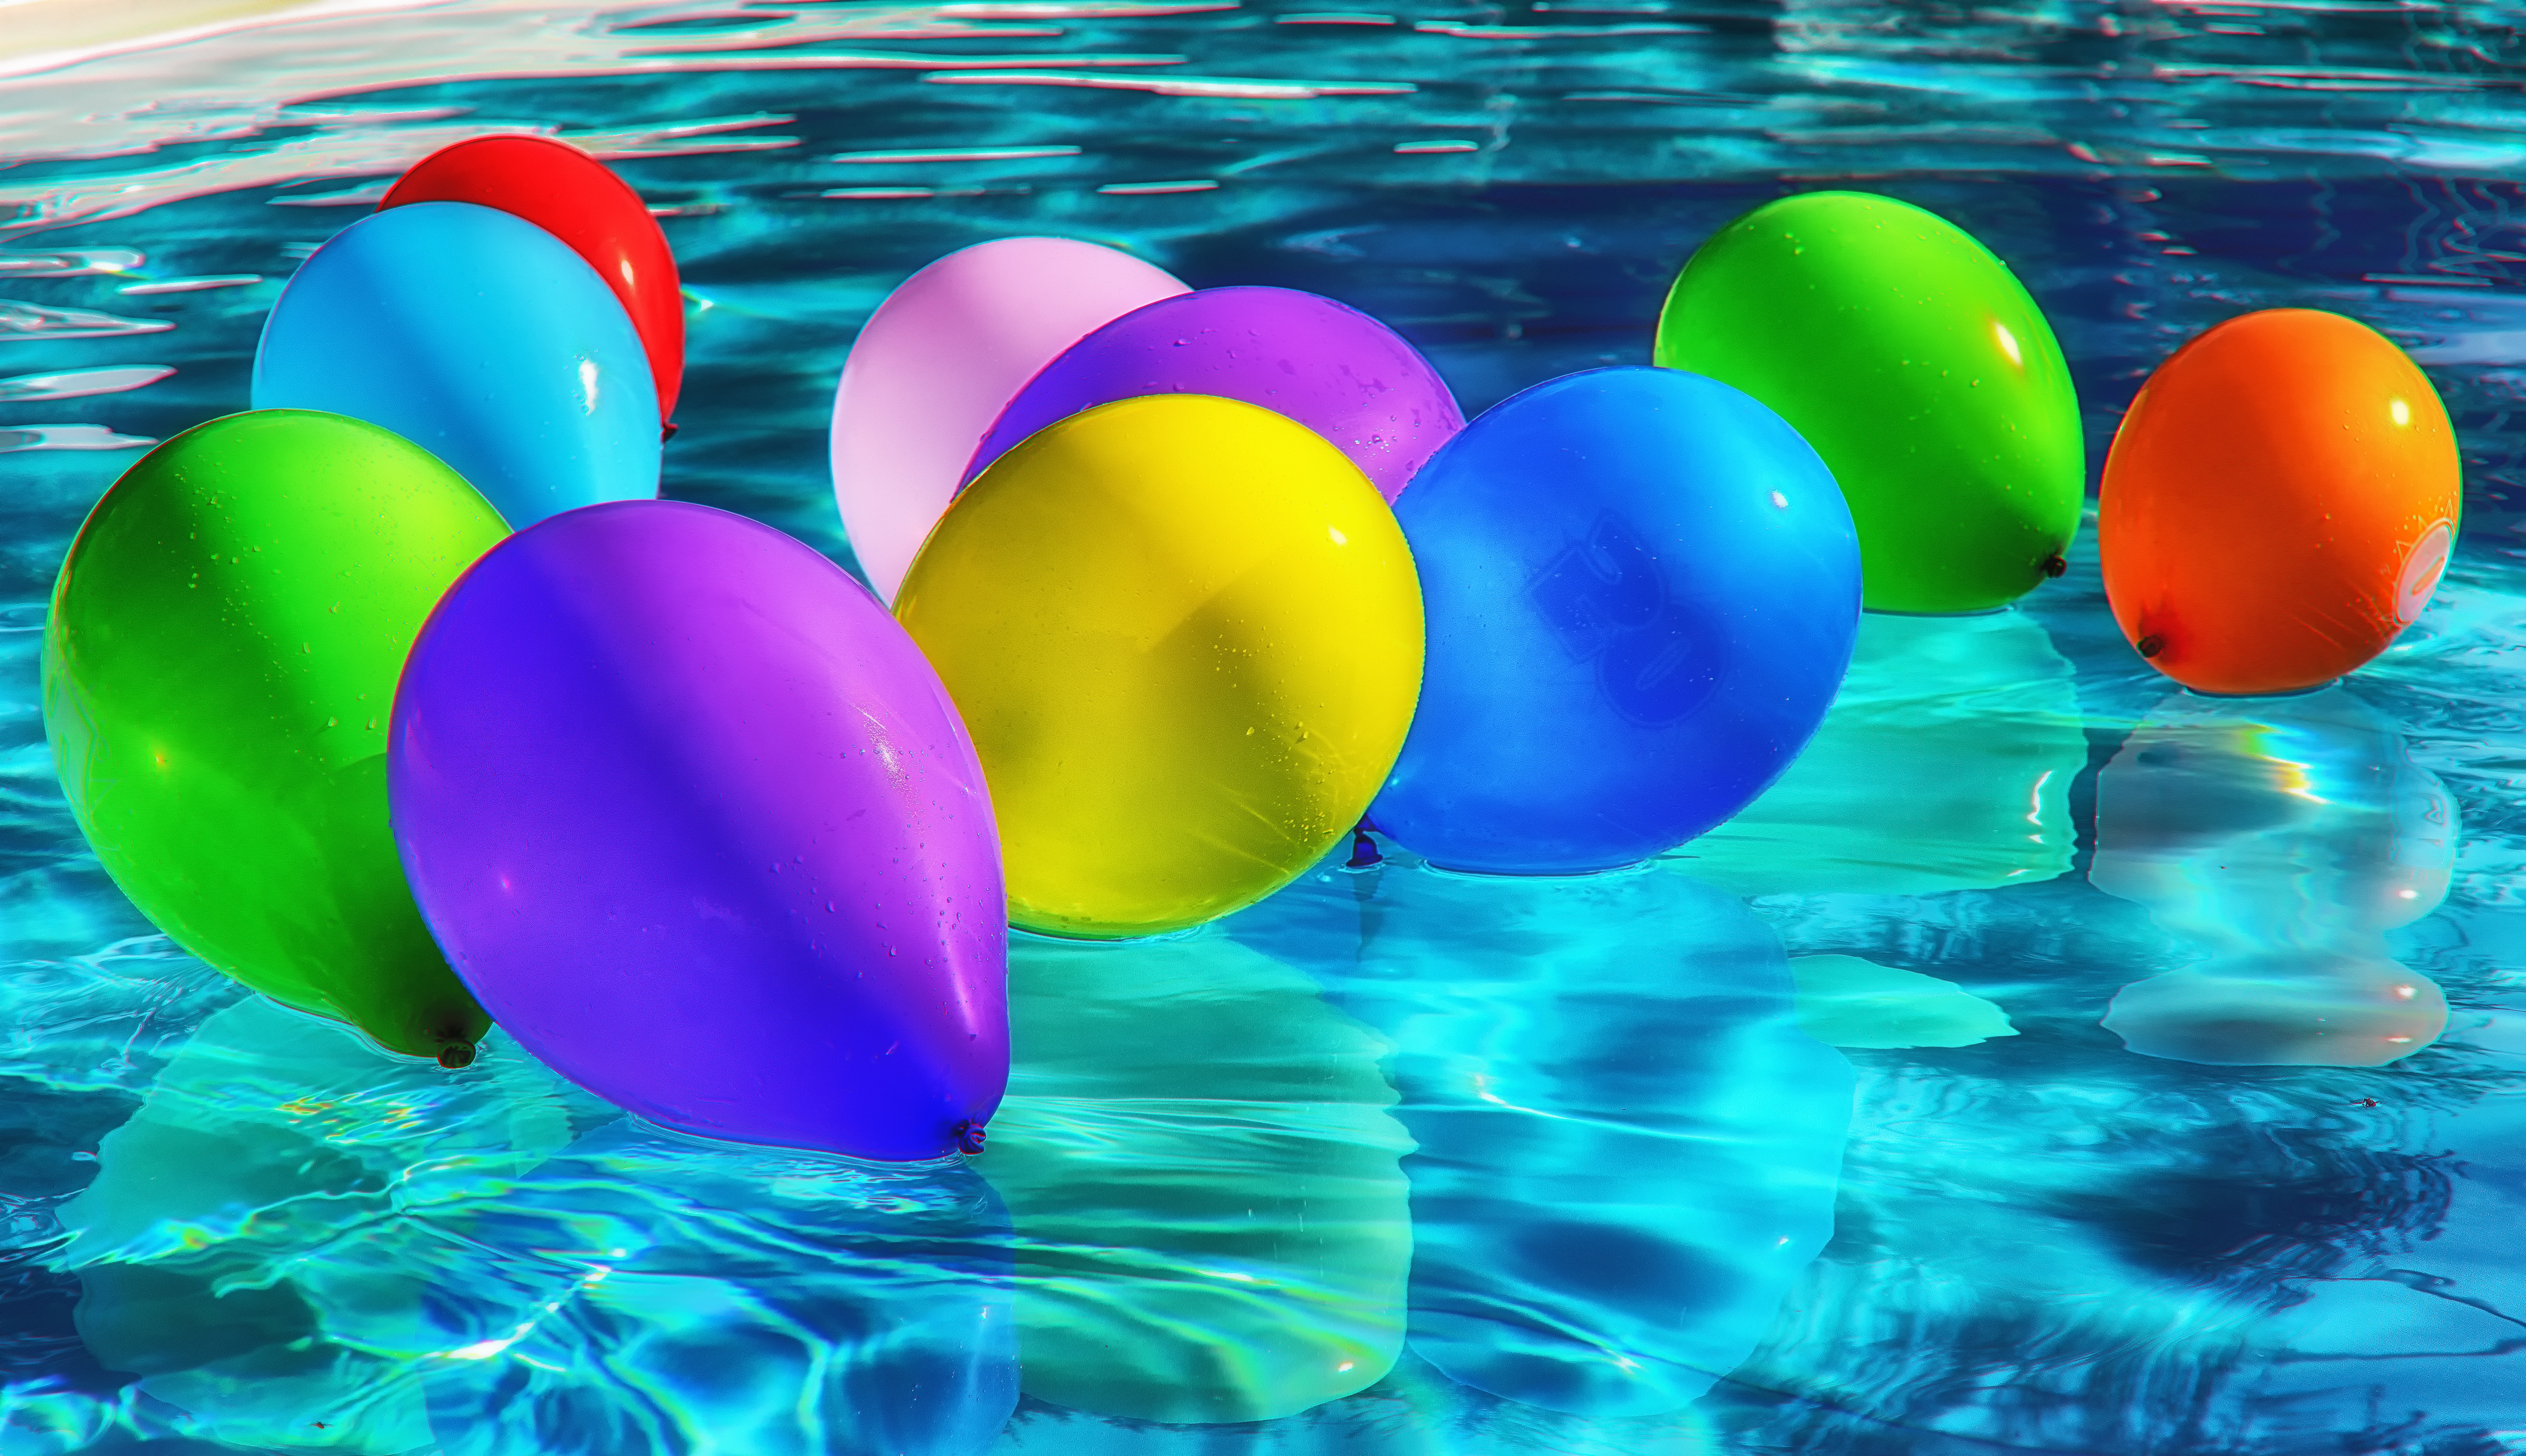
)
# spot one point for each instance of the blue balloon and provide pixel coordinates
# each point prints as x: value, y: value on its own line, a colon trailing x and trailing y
x: 479, y: 337
x: 1642, y: 588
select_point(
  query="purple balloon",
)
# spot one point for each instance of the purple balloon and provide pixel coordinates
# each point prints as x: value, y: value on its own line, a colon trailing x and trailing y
x: 696, y: 823
x: 1330, y: 367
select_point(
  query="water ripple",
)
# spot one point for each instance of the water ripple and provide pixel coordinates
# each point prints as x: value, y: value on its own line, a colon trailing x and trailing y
x: 69, y: 263
x: 345, y: 147
x: 25, y: 320
x: 189, y: 286
x: 76, y: 383
x: 15, y: 437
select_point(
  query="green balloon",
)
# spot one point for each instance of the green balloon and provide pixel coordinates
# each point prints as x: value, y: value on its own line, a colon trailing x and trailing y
x: 1921, y: 372
x: 219, y: 672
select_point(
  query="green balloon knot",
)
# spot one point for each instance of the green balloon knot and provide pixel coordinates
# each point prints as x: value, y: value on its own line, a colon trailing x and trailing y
x: 456, y: 1055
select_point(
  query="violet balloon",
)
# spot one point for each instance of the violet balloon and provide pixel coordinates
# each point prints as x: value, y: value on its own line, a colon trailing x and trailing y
x: 695, y: 820
x: 1329, y: 366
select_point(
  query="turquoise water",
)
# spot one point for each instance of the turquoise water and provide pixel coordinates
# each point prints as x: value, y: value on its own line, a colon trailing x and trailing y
x: 2173, y: 1095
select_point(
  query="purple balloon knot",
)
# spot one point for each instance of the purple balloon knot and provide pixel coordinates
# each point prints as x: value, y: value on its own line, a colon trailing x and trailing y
x: 968, y: 1136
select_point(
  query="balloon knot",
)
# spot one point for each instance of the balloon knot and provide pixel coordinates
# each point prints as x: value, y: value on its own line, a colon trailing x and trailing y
x: 968, y: 1136
x: 1363, y: 851
x: 2054, y: 565
x: 456, y: 1054
x: 2151, y: 645
x: 667, y: 432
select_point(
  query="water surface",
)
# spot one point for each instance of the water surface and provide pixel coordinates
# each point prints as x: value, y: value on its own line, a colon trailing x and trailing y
x: 2176, y: 1100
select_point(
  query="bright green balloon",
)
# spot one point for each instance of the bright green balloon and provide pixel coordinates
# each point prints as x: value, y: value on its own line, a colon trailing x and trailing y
x: 1921, y: 372
x: 219, y: 673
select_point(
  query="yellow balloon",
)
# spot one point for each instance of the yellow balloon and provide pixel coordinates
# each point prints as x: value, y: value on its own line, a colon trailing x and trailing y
x: 1186, y: 635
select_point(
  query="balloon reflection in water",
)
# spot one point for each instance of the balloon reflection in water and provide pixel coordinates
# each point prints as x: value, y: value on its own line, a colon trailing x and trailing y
x: 770, y: 1304
x: 295, y: 1229
x: 271, y: 1137
x: 1944, y: 764
x: 1628, y: 1150
x: 1848, y: 1001
x: 1200, y: 1163
x: 2283, y: 837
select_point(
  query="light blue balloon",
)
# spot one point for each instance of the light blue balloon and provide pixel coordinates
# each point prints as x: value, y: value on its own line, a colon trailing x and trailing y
x: 479, y: 337
x: 1641, y: 588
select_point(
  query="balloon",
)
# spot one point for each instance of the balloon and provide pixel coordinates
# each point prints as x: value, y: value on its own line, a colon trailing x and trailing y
x: 217, y: 670
x: 1199, y: 1157
x: 1330, y: 367
x: 694, y: 819
x: 579, y: 200
x: 1627, y: 1151
x: 1921, y: 372
x: 1642, y: 589
x: 1944, y: 764
x: 938, y: 359
x: 481, y: 339
x: 1186, y: 634
x: 2279, y: 503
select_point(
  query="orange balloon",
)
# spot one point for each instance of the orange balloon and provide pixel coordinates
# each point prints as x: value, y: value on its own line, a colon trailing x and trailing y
x: 2278, y: 503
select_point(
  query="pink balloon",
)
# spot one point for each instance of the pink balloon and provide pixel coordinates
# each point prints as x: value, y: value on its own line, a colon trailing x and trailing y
x: 937, y: 362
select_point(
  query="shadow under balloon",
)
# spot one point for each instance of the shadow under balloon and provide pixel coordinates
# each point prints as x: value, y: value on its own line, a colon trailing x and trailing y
x: 1628, y: 1150
x: 1945, y: 763
x: 299, y: 1242
x: 2281, y: 837
x: 1200, y: 1163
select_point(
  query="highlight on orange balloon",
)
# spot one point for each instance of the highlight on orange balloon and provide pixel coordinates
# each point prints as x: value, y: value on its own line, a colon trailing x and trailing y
x: 2279, y: 503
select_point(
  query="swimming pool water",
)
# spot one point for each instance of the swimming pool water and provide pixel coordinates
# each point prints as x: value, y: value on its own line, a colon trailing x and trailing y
x: 2179, y: 1102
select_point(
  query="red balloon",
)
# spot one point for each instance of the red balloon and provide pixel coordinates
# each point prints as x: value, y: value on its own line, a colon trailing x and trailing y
x: 578, y: 199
